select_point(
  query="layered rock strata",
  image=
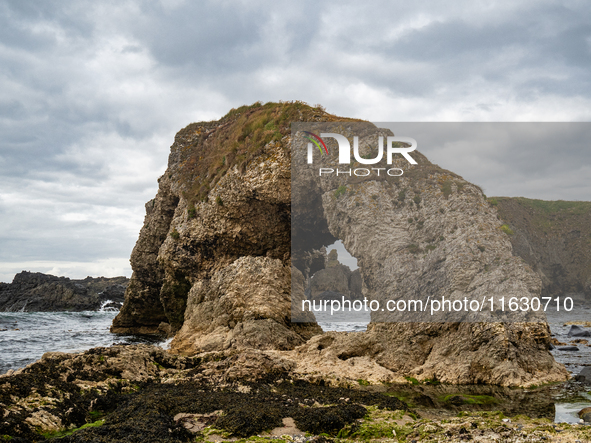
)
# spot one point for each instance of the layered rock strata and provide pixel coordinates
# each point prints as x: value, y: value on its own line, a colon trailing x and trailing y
x: 213, y: 259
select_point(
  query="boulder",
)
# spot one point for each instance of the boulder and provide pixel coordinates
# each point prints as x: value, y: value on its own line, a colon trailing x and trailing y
x: 584, y: 376
x: 585, y: 414
x: 577, y: 331
x: 568, y: 348
x: 332, y: 279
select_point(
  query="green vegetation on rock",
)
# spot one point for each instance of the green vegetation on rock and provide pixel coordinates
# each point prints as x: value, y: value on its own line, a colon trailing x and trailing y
x: 341, y: 190
x: 60, y: 434
x: 506, y: 229
x: 239, y: 137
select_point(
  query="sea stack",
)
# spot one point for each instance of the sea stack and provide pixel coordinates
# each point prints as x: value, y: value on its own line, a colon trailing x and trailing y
x: 213, y: 265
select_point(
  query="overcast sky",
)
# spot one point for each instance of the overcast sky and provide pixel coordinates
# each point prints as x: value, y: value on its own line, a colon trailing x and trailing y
x: 92, y: 93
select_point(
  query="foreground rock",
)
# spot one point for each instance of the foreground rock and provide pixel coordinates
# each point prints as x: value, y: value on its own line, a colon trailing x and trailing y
x: 136, y: 392
x: 213, y: 263
x: 142, y: 393
x: 37, y: 292
x: 577, y: 331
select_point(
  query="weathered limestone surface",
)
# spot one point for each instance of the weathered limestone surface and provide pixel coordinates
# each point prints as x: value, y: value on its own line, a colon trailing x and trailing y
x: 216, y: 268
x: 428, y: 233
x: 213, y: 261
x: 142, y: 311
x: 246, y: 305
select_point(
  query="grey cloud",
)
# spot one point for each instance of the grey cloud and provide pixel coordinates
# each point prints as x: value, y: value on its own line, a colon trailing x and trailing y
x: 91, y: 94
x: 538, y: 160
x: 213, y: 38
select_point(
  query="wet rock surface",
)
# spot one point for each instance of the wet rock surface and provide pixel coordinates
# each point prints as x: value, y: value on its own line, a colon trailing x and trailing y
x: 142, y: 393
x: 137, y: 391
x: 584, y: 376
x: 577, y: 331
x: 37, y: 292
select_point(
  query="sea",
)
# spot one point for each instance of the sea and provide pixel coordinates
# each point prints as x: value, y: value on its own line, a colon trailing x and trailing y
x: 26, y: 336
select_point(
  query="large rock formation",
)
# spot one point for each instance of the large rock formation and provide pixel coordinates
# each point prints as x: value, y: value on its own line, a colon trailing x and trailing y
x: 217, y: 235
x: 37, y: 292
x: 554, y: 238
x: 213, y: 259
x: 428, y: 233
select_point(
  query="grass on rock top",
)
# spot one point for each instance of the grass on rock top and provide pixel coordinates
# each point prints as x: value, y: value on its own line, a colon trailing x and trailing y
x: 556, y: 217
x: 553, y: 207
x: 209, y: 149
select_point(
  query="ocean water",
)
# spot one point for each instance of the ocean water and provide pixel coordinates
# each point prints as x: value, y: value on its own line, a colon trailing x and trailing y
x: 26, y: 336
x: 565, y: 409
x: 343, y: 321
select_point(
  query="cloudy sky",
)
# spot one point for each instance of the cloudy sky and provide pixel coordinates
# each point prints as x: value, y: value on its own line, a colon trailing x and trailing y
x: 92, y: 93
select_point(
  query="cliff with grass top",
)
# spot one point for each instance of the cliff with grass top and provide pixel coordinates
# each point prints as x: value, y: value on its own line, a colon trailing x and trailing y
x: 554, y: 238
x: 214, y: 265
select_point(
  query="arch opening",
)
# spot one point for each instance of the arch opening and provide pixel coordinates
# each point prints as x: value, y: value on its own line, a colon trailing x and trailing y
x: 336, y: 276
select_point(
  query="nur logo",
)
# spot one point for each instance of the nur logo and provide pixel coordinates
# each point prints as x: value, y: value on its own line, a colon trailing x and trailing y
x: 345, y: 148
x: 345, y: 153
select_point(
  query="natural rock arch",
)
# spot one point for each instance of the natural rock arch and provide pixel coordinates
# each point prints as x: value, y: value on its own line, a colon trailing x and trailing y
x: 229, y: 238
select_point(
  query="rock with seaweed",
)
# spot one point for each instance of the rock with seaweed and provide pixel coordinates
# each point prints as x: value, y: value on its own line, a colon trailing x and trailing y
x: 142, y: 393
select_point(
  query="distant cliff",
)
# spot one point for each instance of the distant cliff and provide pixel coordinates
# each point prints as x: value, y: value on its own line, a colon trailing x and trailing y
x: 37, y: 292
x: 554, y: 238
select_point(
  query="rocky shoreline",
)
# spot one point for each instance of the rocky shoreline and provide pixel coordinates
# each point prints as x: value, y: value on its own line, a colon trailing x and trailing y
x: 142, y: 393
x: 219, y: 266
x: 38, y: 292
